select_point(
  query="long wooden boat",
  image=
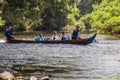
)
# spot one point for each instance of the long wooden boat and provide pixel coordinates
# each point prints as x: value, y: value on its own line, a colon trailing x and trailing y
x: 79, y: 41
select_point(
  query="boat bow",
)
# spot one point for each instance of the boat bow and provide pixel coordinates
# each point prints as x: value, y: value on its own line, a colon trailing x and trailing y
x: 92, y: 38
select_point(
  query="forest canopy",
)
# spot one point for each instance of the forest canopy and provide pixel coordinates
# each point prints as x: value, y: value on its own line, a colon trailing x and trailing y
x: 102, y: 16
x: 105, y: 17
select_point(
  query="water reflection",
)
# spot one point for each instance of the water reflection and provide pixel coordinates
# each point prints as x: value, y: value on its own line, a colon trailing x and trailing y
x: 95, y: 60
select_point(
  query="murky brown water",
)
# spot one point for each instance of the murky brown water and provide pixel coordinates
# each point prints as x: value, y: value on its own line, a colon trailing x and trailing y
x: 62, y: 61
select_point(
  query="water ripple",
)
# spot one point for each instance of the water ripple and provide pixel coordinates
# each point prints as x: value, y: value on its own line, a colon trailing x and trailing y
x: 95, y: 60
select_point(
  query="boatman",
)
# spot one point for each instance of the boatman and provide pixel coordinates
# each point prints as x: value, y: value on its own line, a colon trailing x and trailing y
x: 76, y: 32
x: 8, y: 33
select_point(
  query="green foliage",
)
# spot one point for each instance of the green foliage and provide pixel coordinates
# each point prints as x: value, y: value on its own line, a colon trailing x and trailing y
x: 1, y: 21
x: 86, y: 5
x: 22, y: 12
x: 100, y: 15
x: 106, y: 17
x: 46, y: 14
x: 59, y: 13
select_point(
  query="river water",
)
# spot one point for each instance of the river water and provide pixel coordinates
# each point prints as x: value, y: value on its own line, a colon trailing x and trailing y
x: 95, y: 61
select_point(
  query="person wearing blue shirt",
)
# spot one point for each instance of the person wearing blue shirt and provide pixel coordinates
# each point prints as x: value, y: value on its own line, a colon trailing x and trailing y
x: 64, y: 36
x: 76, y: 32
x: 39, y: 37
x: 9, y: 34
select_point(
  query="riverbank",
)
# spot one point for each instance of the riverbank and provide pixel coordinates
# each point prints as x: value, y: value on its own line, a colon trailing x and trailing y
x: 49, y: 34
x: 8, y: 76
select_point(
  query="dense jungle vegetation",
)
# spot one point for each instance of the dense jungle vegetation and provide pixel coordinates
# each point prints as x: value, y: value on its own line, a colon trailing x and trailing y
x: 102, y: 16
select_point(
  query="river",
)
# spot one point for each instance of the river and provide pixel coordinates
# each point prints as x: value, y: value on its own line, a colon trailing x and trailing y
x: 97, y: 61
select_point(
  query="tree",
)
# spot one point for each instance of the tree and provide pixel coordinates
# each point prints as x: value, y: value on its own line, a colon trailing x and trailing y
x: 106, y: 17
x: 47, y: 14
x: 1, y: 6
x: 22, y: 13
x: 59, y: 14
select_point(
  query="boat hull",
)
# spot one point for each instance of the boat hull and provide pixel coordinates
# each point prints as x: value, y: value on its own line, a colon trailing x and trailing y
x: 80, y: 41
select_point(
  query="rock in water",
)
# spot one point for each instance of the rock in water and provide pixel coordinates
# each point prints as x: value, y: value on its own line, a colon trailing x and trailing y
x: 6, y: 76
x: 19, y: 78
x: 33, y: 78
x: 45, y: 78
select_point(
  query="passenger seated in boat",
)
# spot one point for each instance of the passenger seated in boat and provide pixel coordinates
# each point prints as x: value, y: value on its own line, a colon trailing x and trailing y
x: 39, y: 37
x: 64, y: 36
x: 55, y: 36
x: 76, y: 32
x: 8, y: 33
